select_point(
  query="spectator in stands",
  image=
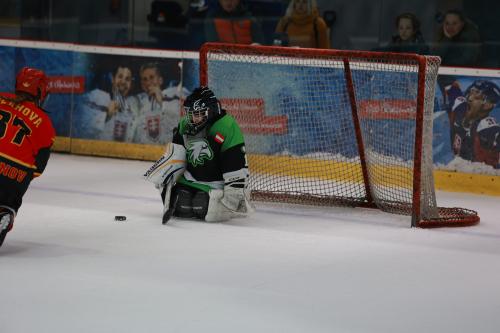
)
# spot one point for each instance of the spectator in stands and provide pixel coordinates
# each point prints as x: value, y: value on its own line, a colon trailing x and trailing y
x: 409, y: 38
x: 231, y: 22
x: 458, y: 41
x: 167, y: 24
x: 303, y: 26
x: 197, y: 12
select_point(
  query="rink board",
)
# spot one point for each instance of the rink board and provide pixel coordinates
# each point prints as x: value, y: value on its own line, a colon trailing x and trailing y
x: 444, y: 180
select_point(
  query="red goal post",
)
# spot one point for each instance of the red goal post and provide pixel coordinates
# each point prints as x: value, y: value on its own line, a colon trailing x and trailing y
x: 334, y: 127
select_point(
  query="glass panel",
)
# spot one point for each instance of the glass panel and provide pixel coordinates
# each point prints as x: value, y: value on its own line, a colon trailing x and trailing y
x: 186, y: 24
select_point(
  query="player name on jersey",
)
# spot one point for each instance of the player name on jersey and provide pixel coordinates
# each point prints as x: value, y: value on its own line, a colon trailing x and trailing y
x: 31, y: 115
x: 12, y: 172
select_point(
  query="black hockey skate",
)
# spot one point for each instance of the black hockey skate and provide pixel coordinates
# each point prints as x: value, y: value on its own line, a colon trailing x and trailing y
x: 6, y: 223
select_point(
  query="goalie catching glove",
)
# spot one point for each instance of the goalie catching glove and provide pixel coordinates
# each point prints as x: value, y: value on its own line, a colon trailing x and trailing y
x: 232, y: 201
x: 234, y: 194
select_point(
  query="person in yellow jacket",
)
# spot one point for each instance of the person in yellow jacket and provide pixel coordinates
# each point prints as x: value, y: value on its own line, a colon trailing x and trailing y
x: 232, y: 23
x: 304, y: 26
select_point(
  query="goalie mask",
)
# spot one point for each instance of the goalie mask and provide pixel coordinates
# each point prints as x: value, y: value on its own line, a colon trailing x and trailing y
x: 201, y: 108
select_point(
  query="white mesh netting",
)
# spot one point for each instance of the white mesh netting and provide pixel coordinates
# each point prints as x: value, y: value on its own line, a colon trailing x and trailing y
x: 334, y: 127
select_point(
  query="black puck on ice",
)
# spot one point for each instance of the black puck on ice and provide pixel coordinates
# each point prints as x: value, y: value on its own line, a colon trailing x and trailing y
x: 120, y: 218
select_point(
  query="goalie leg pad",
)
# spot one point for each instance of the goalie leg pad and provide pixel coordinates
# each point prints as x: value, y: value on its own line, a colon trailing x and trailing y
x: 184, y: 203
x: 200, y: 204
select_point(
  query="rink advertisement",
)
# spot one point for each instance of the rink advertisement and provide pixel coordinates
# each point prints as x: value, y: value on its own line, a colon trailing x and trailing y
x: 128, y: 99
x: 58, y: 65
x: 113, y: 98
x: 251, y: 116
x: 466, y: 124
x: 115, y: 101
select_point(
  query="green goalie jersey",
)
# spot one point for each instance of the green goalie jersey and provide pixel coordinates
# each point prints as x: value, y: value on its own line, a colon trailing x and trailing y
x: 215, y: 155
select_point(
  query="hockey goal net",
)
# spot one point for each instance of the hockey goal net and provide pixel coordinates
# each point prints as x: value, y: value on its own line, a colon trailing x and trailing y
x: 331, y: 127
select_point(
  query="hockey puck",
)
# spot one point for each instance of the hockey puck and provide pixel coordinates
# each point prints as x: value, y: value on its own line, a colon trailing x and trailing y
x: 120, y: 218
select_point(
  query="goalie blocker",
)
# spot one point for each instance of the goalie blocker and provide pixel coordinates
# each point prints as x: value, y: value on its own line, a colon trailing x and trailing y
x: 203, y: 173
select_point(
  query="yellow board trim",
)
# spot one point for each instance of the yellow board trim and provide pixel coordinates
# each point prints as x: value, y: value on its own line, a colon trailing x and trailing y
x: 327, y: 170
x: 116, y: 149
x: 287, y: 166
x: 62, y: 144
x: 108, y: 149
x: 467, y: 182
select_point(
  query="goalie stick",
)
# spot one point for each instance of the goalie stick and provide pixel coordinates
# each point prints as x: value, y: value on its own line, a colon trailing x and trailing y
x: 168, y: 207
x: 165, y: 172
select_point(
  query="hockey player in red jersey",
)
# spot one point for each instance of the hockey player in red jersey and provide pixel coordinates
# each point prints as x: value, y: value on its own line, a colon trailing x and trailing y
x: 475, y: 135
x: 26, y: 135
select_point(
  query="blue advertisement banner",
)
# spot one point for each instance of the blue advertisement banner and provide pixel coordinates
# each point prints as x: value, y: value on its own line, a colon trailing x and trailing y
x: 95, y: 96
x: 128, y: 99
x: 56, y: 64
x: 315, y: 102
x: 466, y: 124
x: 137, y: 99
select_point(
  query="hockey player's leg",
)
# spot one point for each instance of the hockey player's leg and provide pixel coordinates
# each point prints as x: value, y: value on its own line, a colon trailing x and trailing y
x: 183, y: 203
x: 200, y: 204
x: 6, y: 222
x: 177, y: 201
x: 187, y: 202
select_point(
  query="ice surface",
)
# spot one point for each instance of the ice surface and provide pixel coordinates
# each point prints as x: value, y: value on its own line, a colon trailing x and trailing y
x: 68, y: 266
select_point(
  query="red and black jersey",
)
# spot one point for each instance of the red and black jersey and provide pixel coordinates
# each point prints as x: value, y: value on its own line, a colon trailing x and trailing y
x: 26, y: 133
x: 480, y: 141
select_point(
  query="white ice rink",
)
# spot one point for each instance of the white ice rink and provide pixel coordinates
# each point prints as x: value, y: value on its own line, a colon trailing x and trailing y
x: 68, y: 267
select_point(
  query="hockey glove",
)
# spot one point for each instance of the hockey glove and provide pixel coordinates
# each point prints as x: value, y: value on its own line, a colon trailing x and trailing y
x: 169, y: 167
x: 217, y: 212
x: 234, y: 195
